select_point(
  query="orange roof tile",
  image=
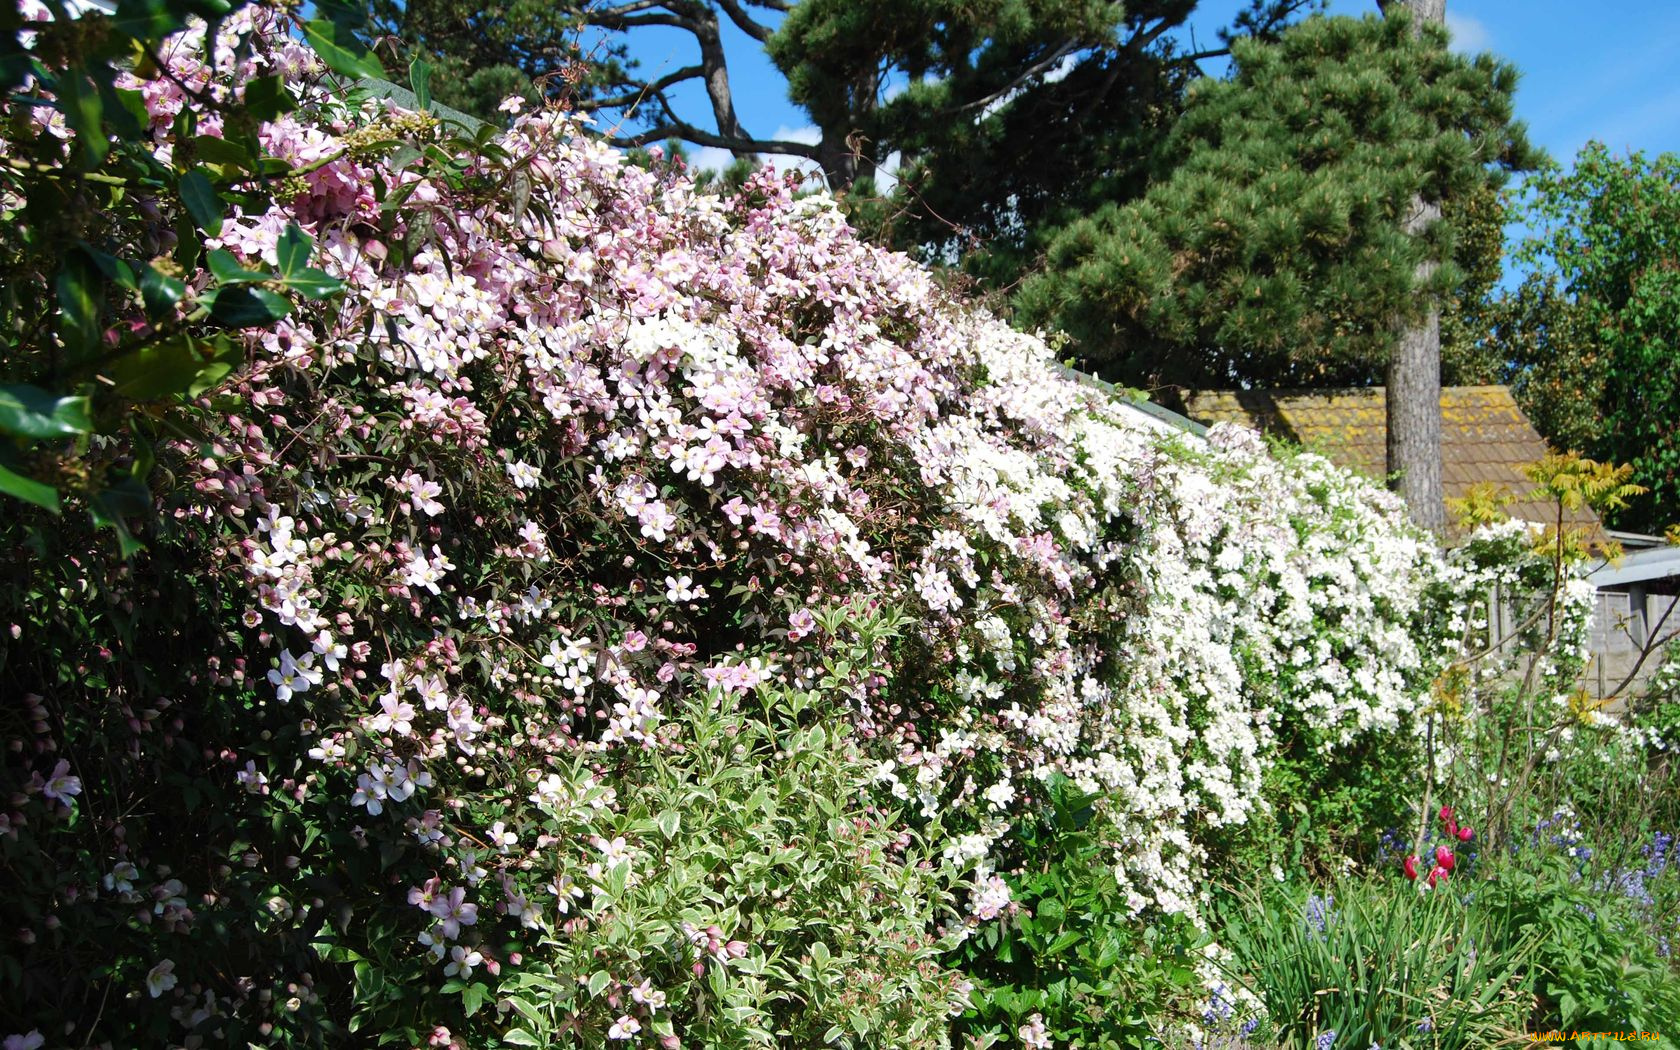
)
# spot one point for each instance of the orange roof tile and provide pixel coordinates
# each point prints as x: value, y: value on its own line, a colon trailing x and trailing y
x: 1485, y: 438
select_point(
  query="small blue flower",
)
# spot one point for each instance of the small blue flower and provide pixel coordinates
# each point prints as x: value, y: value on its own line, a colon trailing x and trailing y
x: 1426, y: 1025
x: 1325, y: 1040
x: 1319, y: 913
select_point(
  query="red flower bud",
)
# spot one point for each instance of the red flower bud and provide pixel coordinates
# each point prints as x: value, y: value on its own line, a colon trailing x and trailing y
x: 1410, y: 866
x: 1436, y: 874
x: 1465, y: 834
x: 1446, y: 813
x: 1444, y: 858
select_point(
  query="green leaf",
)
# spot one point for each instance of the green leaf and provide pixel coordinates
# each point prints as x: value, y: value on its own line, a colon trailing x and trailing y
x: 78, y: 304
x: 420, y: 79
x: 293, y: 249
x: 472, y: 997
x: 266, y: 98
x: 159, y: 291
x: 598, y: 981
x: 148, y: 20
x: 202, y: 203
x: 110, y: 267
x: 180, y: 365
x: 241, y: 306
x: 29, y: 411
x: 341, y: 51
x: 520, y: 1037
x: 126, y: 109
x: 83, y: 110
x: 28, y: 490
x: 668, y: 823
x: 314, y: 284
x: 227, y: 270
x: 1064, y: 942
x: 213, y: 149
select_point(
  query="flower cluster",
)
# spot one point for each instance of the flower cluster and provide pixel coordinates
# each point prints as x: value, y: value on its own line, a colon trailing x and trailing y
x: 1444, y: 861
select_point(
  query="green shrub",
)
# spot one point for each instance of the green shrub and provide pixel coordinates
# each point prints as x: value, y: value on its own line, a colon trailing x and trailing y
x: 1071, y: 957
x: 1595, y: 963
x: 771, y: 906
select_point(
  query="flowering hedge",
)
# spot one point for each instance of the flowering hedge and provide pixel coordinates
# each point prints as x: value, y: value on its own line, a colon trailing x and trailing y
x: 629, y: 615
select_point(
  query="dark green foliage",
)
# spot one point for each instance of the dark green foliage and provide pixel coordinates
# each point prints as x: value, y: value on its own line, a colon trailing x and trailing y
x: 1074, y: 954
x: 99, y: 337
x: 1469, y: 355
x: 1592, y: 334
x: 1270, y: 249
x: 1020, y: 117
x: 482, y: 54
x: 1549, y: 356
x: 153, y: 739
x: 1328, y: 810
x: 966, y: 161
x: 1596, y: 965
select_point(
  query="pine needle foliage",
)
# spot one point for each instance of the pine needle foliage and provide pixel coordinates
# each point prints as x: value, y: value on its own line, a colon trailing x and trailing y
x: 1271, y: 249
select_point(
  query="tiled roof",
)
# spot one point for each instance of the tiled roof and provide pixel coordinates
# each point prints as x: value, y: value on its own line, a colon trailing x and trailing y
x: 1484, y: 435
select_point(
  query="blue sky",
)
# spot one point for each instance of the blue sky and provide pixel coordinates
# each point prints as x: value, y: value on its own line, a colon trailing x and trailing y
x: 1608, y: 72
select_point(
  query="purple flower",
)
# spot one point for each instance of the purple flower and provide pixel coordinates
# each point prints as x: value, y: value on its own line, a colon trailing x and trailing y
x: 1319, y: 913
x: 454, y: 911
x: 61, y: 787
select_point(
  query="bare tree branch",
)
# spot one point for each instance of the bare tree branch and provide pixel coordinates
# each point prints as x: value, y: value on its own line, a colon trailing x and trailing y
x: 628, y: 8
x: 681, y: 129
x: 1067, y: 47
x: 633, y: 21
x: 637, y: 91
x: 744, y: 22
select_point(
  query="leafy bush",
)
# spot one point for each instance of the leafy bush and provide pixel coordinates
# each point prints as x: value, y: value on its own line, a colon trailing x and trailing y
x: 768, y: 903
x: 1596, y: 964
x: 1068, y: 960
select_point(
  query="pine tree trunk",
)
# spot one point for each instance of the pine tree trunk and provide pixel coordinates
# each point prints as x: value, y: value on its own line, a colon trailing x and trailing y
x: 1414, y: 368
x: 1414, y: 399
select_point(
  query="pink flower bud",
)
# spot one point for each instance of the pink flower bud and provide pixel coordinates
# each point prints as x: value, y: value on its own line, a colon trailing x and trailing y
x: 1465, y: 834
x: 1410, y: 866
x: 1444, y: 858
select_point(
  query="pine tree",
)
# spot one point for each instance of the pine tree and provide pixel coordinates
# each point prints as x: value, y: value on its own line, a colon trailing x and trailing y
x: 1270, y: 249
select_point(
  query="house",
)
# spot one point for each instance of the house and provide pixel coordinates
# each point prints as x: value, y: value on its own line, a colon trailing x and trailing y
x: 1485, y: 438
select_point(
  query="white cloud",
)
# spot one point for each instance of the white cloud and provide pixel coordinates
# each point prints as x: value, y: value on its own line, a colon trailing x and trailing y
x: 710, y: 158
x: 886, y: 174
x: 1468, y: 35
x: 1060, y: 71
x: 808, y: 134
